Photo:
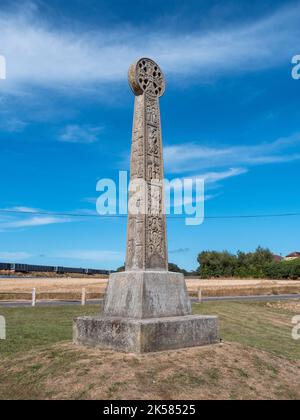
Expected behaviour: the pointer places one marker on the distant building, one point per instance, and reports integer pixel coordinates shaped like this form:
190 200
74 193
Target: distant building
292 256
277 257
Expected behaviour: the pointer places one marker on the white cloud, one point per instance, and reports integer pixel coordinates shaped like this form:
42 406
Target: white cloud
91 255
12 125
80 134
85 212
180 251
20 217
13 256
34 221
212 177
39 54
23 209
190 157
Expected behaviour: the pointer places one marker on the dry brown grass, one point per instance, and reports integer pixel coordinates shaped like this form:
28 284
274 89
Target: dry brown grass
239 287
69 288
52 288
232 371
293 307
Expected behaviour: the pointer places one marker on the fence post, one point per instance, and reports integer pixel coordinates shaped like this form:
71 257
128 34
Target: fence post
199 295
33 297
2 328
83 297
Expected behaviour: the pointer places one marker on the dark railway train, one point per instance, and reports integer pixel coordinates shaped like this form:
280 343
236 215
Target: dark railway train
26 268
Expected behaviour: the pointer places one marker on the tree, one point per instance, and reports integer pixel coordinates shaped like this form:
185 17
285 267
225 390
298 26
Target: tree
224 264
216 264
173 268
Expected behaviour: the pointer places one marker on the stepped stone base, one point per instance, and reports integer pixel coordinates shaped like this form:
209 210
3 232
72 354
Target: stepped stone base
144 312
146 335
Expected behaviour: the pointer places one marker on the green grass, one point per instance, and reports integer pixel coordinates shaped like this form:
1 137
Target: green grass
29 328
253 324
247 323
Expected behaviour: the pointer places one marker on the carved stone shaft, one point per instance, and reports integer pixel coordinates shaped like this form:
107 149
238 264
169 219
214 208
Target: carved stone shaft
146 236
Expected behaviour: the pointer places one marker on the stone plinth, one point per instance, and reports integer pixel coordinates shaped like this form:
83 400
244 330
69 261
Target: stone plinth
146 312
146 335
146 294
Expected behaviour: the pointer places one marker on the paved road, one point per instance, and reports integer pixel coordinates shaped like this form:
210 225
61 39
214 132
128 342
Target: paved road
194 300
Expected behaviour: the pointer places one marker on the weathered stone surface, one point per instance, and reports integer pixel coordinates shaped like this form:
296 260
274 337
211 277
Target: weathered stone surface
148 335
146 294
146 231
146 308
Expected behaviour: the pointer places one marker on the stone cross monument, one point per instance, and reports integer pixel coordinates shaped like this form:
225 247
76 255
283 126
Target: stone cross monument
147 243
146 308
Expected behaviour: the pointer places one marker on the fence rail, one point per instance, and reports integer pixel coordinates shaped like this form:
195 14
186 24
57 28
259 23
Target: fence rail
35 296
84 295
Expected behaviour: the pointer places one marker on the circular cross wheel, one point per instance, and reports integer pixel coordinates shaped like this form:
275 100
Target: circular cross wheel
145 76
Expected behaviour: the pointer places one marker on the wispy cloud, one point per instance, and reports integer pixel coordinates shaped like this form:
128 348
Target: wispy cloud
34 221
61 58
23 209
190 157
20 217
14 256
85 212
80 134
26 217
12 125
179 251
212 177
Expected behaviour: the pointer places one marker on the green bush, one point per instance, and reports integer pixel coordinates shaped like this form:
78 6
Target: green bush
216 264
283 270
258 264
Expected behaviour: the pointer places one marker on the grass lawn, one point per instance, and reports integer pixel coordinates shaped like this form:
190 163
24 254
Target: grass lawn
259 359
30 328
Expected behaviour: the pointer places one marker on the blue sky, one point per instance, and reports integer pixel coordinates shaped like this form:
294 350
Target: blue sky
230 114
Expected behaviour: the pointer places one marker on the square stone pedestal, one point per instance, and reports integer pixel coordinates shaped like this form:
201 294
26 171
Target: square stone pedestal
146 311
146 335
